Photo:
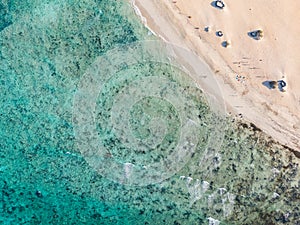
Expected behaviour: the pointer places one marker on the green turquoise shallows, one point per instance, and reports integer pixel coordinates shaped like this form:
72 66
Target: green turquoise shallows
101 124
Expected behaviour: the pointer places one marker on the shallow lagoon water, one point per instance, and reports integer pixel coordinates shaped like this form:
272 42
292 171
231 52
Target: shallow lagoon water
46 49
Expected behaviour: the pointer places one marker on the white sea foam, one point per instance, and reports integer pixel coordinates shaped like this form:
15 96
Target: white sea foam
139 14
128 169
189 179
222 190
205 186
275 195
212 221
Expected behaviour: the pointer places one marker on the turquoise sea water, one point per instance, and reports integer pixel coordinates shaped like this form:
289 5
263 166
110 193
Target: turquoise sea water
47 49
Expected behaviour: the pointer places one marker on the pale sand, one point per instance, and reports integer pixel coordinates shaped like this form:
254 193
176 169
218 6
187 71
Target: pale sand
277 55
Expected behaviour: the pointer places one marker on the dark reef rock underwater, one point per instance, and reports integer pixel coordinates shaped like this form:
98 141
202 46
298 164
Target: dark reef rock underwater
5 17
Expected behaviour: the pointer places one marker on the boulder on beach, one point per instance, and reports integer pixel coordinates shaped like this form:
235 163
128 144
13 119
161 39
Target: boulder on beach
219 4
256 34
225 44
281 85
219 33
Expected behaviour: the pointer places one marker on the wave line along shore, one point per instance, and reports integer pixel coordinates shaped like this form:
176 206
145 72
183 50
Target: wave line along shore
242 67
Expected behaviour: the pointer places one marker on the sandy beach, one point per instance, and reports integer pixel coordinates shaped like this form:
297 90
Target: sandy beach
242 66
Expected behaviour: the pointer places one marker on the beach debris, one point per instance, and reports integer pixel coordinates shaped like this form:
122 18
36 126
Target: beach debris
240 78
225 44
281 85
219 4
219 33
256 34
